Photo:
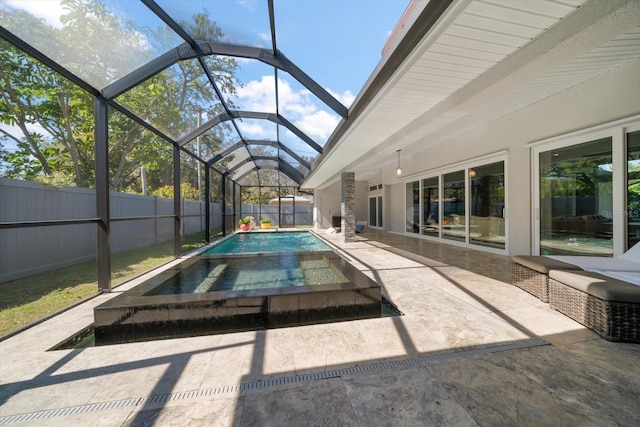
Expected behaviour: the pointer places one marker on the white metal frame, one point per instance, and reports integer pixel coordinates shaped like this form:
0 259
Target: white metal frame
617 131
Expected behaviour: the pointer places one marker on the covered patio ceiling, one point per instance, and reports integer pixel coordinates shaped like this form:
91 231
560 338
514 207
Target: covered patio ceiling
456 65
110 60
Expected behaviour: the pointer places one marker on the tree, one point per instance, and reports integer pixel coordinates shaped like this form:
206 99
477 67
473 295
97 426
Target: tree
34 97
51 120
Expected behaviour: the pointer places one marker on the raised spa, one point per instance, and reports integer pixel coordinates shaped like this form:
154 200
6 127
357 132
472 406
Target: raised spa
226 293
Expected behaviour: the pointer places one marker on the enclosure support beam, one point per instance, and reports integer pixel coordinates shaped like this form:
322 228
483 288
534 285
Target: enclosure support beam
101 135
207 205
177 248
241 114
224 205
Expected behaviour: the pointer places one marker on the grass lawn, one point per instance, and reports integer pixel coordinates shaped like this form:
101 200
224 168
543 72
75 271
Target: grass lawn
26 300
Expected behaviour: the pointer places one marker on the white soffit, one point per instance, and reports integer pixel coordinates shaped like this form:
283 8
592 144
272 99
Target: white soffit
471 38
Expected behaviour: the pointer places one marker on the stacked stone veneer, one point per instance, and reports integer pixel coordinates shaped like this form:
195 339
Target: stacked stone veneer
348 207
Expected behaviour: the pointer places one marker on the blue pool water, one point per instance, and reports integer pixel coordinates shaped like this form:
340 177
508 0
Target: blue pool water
240 273
252 243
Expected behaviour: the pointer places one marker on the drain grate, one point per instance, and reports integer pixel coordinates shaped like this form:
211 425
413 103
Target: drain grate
267 383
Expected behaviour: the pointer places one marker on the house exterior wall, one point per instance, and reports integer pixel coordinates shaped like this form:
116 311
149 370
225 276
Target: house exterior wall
395 208
326 205
362 201
608 97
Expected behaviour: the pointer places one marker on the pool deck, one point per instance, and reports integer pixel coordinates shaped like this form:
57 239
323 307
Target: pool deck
470 350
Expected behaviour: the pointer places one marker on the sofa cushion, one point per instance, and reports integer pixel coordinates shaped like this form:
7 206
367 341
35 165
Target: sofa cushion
543 264
600 286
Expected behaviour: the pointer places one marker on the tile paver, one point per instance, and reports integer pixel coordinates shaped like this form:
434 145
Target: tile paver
454 300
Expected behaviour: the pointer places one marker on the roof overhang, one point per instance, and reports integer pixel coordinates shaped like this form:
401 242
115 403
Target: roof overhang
475 61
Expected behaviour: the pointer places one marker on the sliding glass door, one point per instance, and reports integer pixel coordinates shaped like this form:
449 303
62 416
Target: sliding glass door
465 205
375 211
633 189
413 207
576 199
487 226
431 207
454 204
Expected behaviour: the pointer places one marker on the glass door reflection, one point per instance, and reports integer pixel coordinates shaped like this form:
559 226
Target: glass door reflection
487 227
431 207
576 201
633 189
454 213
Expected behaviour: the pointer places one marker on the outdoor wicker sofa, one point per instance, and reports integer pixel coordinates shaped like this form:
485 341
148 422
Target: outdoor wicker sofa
531 272
609 306
601 293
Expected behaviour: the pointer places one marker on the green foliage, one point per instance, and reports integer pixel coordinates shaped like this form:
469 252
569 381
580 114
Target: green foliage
633 200
245 220
265 221
52 136
574 178
187 192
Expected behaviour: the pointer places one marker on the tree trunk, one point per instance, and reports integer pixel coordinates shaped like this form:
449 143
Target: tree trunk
70 142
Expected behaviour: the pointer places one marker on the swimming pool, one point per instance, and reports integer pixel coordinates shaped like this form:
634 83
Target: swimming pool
266 242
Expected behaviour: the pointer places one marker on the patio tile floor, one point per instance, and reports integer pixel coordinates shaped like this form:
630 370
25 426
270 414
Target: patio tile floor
470 349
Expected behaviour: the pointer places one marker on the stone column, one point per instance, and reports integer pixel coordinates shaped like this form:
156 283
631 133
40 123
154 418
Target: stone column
348 207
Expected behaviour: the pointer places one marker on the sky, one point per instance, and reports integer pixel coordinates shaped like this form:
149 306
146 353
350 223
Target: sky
338 43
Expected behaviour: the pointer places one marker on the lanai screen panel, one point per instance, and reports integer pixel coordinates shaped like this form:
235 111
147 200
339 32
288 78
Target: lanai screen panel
293 162
306 111
266 164
298 146
254 88
257 129
112 45
231 16
266 177
211 143
242 170
215 142
99 42
172 100
238 158
263 150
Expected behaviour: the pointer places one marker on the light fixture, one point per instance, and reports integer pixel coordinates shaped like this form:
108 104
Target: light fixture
399 170
472 173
